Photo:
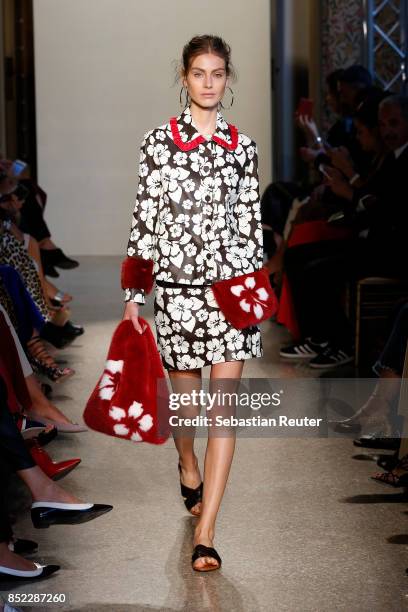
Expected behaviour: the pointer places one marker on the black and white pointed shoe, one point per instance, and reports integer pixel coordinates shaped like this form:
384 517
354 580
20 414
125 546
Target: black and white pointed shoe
44 514
41 571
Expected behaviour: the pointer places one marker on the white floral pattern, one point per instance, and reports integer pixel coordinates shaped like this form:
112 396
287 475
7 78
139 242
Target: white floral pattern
110 378
129 423
253 299
182 340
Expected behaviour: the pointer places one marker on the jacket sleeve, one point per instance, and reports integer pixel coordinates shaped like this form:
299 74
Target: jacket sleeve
137 268
248 209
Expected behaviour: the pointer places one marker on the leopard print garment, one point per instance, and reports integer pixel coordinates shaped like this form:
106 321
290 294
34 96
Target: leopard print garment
6 302
13 253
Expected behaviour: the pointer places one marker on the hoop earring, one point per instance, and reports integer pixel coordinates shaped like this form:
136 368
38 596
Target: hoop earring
187 97
232 100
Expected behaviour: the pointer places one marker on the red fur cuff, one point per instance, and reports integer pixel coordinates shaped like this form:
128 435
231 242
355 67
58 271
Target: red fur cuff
137 273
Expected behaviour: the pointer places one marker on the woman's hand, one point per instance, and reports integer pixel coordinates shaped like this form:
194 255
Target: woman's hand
308 126
131 313
337 183
308 154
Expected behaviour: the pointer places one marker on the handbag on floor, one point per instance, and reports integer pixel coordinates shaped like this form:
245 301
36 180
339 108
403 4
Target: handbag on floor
131 399
246 300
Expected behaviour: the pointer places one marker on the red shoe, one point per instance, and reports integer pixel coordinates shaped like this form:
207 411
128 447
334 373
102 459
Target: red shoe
54 470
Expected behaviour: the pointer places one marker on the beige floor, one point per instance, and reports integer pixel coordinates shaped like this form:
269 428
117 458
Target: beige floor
301 527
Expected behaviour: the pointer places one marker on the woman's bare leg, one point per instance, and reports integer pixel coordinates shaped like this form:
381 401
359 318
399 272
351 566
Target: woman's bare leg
49 289
34 250
218 459
41 404
43 488
47 243
11 560
185 381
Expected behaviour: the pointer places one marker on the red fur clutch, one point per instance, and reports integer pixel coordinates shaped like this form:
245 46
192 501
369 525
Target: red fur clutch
131 400
137 273
247 299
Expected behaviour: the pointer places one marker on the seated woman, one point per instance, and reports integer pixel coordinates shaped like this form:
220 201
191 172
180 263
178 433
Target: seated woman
33 223
11 204
29 323
33 401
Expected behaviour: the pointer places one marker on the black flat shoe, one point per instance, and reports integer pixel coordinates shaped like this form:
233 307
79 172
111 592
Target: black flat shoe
41 571
46 437
50 271
376 440
191 496
57 258
44 514
205 551
54 334
345 427
388 462
22 547
71 330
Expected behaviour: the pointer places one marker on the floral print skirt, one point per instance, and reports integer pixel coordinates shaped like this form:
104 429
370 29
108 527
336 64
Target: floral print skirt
192 332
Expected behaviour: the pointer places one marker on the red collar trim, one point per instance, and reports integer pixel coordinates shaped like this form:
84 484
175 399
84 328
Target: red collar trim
192 144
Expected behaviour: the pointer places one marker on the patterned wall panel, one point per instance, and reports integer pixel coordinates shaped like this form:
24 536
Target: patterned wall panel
342 38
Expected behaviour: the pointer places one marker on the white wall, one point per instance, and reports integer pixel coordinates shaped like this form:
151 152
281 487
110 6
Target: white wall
104 76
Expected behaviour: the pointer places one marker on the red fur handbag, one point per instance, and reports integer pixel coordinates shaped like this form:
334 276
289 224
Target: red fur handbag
247 299
131 399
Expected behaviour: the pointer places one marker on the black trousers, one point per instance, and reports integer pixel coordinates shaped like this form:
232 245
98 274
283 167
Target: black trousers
317 273
6 532
32 220
13 456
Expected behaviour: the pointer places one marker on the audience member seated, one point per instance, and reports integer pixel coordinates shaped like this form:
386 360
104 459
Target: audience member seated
317 272
32 219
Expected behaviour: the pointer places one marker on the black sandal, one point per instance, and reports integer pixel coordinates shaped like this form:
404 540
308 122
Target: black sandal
393 479
388 462
43 362
191 496
205 551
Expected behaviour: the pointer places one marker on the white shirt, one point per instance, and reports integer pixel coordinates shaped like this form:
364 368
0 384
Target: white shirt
399 151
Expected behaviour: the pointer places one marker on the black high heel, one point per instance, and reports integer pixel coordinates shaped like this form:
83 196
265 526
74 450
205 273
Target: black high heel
44 364
191 496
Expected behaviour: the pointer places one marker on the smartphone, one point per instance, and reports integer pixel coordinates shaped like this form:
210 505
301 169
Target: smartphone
305 107
18 167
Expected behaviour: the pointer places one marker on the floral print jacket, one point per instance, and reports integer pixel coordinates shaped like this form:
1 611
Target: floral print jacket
197 213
